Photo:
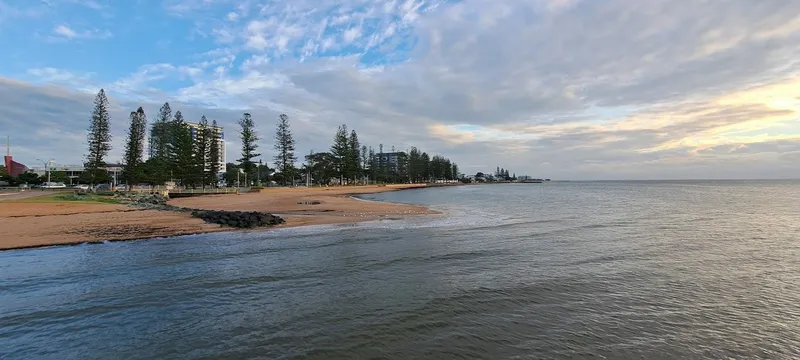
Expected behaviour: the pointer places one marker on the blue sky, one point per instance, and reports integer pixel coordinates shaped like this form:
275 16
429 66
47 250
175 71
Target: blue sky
573 89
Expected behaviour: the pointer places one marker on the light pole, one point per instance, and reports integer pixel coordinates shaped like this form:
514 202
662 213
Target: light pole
47 167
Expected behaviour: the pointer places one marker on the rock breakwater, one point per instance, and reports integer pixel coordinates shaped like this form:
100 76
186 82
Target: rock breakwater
238 219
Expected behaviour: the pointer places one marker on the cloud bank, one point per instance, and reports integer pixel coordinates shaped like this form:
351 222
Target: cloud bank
565 89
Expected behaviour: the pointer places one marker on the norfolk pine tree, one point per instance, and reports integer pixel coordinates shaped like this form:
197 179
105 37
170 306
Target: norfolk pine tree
183 149
249 138
99 139
201 151
364 158
284 145
339 150
214 153
160 133
134 148
373 166
158 165
353 156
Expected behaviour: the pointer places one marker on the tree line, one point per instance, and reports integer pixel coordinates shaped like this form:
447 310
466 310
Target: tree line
190 155
500 174
350 162
178 151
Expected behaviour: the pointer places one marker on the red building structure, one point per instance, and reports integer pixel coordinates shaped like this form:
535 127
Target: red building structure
14 168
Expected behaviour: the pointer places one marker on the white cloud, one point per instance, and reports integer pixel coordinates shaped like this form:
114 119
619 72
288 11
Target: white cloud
64 31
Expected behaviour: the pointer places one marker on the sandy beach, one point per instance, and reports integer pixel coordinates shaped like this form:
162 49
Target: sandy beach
29 224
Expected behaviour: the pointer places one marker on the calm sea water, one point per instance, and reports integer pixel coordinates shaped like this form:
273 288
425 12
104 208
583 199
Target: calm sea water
618 270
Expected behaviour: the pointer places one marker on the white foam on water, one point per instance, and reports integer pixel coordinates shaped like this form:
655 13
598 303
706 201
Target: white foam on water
305 230
451 218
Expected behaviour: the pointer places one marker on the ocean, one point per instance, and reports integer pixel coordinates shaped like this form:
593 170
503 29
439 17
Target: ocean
560 270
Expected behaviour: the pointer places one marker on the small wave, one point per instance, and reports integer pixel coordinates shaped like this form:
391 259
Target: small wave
599 260
458 256
504 225
306 230
253 280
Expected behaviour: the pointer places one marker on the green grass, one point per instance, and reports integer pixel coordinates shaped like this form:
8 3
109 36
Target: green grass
68 197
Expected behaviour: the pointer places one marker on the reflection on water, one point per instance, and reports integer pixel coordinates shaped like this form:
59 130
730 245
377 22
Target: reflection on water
560 270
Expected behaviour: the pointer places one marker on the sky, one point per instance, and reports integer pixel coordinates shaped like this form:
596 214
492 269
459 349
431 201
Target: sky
561 89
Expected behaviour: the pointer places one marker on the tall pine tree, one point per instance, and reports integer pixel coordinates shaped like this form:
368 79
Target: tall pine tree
339 150
157 167
249 138
160 134
201 151
214 153
373 165
284 146
183 150
425 167
354 156
134 148
364 159
99 140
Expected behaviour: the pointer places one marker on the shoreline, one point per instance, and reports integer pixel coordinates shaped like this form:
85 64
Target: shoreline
30 225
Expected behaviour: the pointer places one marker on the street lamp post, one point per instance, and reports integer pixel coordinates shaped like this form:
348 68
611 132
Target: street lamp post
47 167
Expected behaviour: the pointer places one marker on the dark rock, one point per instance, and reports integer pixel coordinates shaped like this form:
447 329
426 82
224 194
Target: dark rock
239 219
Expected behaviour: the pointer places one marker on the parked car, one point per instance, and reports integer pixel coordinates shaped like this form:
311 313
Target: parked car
53 185
102 187
83 187
122 187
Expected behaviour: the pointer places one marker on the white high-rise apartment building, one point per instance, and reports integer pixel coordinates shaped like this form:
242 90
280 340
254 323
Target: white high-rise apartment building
194 127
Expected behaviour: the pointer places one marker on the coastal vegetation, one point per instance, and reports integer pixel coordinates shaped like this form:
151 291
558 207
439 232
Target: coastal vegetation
284 148
134 147
99 140
186 155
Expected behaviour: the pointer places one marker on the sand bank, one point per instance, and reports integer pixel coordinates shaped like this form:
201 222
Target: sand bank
30 224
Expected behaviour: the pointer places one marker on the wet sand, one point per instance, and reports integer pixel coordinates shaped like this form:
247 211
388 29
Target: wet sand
26 225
